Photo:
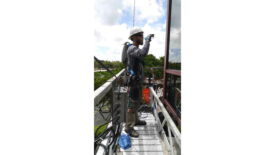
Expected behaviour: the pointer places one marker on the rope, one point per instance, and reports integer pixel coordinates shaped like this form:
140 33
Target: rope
134 10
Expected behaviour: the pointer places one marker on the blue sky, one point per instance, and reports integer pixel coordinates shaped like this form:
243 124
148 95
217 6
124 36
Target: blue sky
114 19
127 17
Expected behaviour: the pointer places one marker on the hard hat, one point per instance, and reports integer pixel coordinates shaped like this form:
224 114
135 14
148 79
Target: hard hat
135 31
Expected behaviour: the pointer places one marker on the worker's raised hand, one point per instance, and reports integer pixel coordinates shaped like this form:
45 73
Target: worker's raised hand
149 37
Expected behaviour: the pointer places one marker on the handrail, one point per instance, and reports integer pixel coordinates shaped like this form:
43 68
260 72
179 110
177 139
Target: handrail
105 88
100 93
171 125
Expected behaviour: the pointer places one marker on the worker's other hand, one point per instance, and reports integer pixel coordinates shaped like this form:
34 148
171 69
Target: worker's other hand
149 37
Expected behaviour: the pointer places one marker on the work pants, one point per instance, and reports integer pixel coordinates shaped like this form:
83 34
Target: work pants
135 97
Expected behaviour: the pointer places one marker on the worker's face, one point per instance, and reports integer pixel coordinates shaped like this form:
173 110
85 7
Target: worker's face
139 39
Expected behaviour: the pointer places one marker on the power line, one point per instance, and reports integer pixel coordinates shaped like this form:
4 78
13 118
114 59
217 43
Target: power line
134 10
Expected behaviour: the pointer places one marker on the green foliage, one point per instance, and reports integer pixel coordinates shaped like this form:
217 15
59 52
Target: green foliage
109 64
151 61
101 130
159 74
161 59
101 77
175 65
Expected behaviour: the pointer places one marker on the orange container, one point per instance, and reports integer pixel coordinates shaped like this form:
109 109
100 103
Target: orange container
146 95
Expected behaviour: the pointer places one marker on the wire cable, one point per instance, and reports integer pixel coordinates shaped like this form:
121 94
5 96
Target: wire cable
134 10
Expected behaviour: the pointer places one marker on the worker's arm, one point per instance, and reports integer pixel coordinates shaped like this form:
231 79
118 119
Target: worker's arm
141 52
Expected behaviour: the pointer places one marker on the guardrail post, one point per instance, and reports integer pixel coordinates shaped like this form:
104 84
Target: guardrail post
151 99
172 128
171 141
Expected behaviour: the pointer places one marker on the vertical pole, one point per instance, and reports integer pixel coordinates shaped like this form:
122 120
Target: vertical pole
134 10
151 97
171 141
167 40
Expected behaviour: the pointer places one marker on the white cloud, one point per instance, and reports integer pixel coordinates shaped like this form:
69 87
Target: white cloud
112 38
158 42
149 10
108 12
110 34
175 32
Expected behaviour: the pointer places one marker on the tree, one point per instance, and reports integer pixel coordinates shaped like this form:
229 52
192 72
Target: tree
151 61
161 59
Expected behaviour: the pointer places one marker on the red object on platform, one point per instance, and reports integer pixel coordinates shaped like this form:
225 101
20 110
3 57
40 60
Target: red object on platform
146 95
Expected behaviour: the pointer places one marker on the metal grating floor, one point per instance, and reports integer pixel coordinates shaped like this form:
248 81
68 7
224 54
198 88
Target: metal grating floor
148 142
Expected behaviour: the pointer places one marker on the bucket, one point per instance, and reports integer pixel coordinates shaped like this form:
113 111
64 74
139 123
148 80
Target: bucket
146 95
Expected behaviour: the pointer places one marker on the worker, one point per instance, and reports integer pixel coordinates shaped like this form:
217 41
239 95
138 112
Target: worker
135 67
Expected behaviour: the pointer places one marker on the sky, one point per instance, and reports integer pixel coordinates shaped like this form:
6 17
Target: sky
114 20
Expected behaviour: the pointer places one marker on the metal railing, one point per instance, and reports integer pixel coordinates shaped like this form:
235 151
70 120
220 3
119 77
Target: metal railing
105 88
100 94
171 140
172 128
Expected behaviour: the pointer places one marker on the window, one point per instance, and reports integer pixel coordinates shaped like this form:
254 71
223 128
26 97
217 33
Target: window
173 93
175 36
172 78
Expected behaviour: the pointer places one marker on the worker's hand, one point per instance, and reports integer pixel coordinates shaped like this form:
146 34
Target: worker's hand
149 37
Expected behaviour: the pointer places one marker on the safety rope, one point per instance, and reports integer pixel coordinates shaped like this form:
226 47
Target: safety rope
134 10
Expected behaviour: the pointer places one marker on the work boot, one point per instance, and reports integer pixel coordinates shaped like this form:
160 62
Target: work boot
132 132
140 122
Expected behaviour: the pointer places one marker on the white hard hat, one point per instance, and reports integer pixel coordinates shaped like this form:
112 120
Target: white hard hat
135 31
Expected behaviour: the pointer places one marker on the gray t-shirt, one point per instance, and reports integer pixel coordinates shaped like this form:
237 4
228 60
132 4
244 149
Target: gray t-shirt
136 59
